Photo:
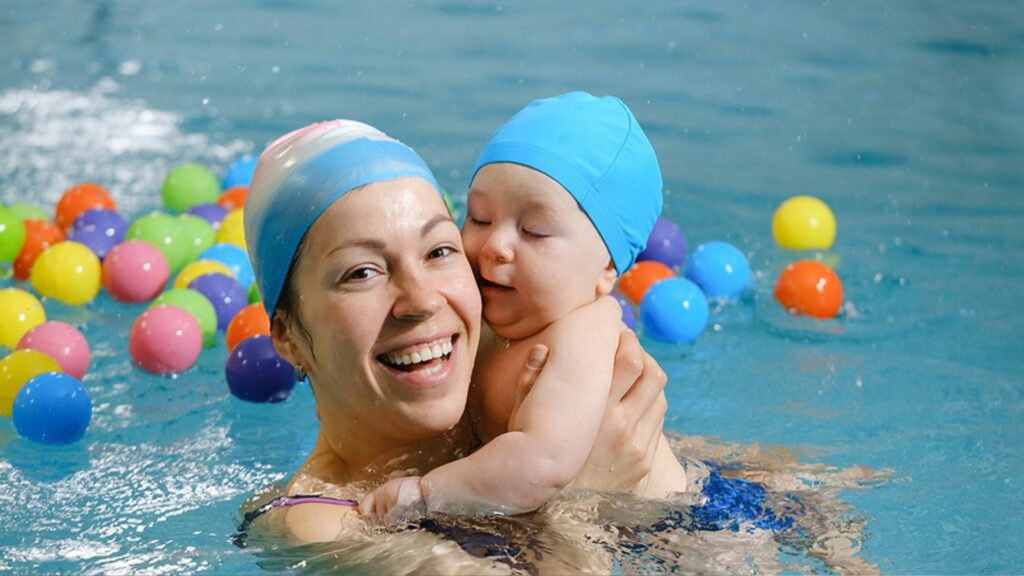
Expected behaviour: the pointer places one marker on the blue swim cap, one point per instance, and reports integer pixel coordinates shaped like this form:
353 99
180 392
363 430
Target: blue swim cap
300 175
597 151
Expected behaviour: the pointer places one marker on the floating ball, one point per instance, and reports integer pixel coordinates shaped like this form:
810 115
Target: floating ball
666 244
641 276
20 312
225 293
804 223
249 321
196 269
810 287
235 258
187 185
198 306
12 235
52 408
256 373
99 229
39 235
26 211
720 269
628 315
674 310
67 272
212 213
233 197
239 172
62 342
164 340
254 294
78 199
19 367
197 234
232 230
165 232
135 271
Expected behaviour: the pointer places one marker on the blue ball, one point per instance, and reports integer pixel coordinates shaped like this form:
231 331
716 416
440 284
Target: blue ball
666 244
239 172
628 316
674 310
235 258
256 373
212 213
225 293
720 269
52 408
99 229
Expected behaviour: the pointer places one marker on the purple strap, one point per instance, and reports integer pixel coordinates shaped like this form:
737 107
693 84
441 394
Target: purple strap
285 501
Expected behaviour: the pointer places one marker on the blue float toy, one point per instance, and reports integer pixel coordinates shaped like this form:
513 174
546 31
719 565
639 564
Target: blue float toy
256 373
239 172
720 269
665 244
674 310
235 258
52 408
225 293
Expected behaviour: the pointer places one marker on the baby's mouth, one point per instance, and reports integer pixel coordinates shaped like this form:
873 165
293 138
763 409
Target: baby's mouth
421 357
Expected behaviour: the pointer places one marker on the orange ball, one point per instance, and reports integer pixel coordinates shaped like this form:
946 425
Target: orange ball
78 199
39 235
233 198
810 287
249 321
644 274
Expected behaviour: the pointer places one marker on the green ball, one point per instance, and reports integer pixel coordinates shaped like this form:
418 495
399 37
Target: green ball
193 302
187 185
166 233
197 234
26 211
254 294
12 235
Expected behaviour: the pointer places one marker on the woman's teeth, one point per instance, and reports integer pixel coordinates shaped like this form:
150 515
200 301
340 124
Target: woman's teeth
424 354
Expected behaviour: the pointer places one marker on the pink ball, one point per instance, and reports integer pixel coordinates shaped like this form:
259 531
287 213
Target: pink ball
62 342
165 339
135 271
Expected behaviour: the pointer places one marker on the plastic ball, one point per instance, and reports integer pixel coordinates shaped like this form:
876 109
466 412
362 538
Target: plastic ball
26 211
19 367
197 234
235 258
196 269
62 342
254 294
641 276
67 272
666 244
52 408
135 271
99 229
239 172
12 235
720 269
212 213
225 293
39 235
674 310
78 199
249 321
810 287
187 185
165 232
20 312
256 373
232 229
233 197
164 340
628 315
804 223
198 306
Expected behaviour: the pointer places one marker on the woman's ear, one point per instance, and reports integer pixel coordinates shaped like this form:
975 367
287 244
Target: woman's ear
606 281
284 344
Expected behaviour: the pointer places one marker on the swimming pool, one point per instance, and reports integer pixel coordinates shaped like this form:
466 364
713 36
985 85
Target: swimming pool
907 118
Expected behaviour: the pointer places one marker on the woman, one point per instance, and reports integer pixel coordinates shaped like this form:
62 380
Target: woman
361 270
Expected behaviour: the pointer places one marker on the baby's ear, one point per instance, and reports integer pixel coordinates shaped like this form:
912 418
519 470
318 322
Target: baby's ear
606 281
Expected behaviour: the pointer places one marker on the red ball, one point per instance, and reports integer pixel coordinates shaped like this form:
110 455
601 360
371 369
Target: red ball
641 276
78 199
810 287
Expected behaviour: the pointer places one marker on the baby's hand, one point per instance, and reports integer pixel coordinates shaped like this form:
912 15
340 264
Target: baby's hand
394 494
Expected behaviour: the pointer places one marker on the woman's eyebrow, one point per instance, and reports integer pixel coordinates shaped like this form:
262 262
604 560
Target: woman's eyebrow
433 223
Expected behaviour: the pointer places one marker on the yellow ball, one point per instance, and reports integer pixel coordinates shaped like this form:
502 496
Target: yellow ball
68 272
804 223
20 367
232 230
20 312
196 269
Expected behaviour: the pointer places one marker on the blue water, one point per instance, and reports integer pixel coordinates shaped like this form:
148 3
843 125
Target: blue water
906 117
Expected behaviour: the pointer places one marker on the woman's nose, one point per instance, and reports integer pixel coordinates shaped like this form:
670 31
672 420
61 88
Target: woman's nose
498 246
417 298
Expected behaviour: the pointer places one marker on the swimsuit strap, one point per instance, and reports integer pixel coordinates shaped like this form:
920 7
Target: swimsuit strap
284 502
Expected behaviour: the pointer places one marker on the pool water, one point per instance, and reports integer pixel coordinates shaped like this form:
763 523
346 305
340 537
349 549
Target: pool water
906 118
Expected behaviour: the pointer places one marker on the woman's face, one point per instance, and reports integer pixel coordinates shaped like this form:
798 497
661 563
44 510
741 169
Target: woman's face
391 315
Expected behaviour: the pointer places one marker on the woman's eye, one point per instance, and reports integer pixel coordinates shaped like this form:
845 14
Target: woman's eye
363 273
442 252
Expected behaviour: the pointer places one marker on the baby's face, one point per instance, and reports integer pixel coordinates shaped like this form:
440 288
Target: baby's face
535 254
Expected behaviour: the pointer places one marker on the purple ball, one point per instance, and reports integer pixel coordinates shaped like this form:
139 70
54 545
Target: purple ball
99 229
225 293
628 315
666 244
256 373
212 213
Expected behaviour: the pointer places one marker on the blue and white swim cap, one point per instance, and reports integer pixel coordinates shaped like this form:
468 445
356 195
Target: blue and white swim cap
300 175
597 151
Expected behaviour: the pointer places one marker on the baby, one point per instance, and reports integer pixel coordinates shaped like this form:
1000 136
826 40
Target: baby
561 201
